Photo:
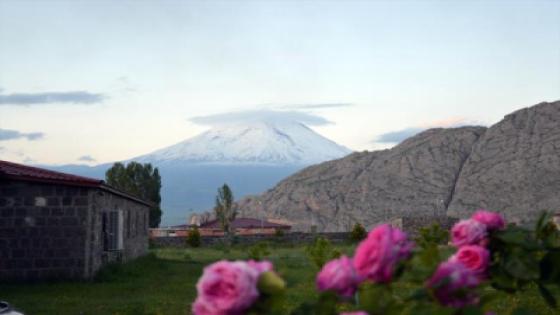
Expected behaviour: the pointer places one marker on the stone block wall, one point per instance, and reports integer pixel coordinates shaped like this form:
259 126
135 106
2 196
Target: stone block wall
135 230
42 231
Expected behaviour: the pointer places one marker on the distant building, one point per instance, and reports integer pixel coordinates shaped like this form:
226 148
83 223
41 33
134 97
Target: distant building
61 226
171 231
243 226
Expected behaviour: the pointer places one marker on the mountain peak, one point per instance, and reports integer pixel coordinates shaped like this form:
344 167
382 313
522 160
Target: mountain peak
255 142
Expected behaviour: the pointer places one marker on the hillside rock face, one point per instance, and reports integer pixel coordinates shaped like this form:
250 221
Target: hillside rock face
512 167
415 178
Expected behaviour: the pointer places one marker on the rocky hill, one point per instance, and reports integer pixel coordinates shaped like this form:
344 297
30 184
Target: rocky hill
515 167
512 167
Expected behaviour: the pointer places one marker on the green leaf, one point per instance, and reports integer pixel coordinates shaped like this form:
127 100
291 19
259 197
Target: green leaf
501 280
522 265
375 298
547 296
522 311
518 236
327 304
550 267
472 310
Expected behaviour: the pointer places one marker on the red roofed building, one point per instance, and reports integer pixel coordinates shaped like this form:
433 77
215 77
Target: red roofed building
61 226
243 226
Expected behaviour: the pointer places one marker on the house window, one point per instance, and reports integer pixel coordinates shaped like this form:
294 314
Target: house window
113 230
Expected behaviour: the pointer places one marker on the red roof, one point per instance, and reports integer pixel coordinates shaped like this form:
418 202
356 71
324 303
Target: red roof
10 170
23 172
245 223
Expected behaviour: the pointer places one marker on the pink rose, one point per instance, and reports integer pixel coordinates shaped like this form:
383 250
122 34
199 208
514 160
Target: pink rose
492 220
451 284
377 256
260 266
474 257
354 313
226 288
338 275
468 232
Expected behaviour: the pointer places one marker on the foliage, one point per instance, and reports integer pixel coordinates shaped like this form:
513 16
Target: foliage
491 261
193 237
320 251
432 235
358 233
141 180
258 251
224 211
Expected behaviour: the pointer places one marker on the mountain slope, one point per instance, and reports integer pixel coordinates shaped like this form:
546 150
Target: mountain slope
513 167
414 178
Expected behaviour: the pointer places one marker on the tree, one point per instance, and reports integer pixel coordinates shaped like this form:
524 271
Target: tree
358 233
193 237
141 180
225 213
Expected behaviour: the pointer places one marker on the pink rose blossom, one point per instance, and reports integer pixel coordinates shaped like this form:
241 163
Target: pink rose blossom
474 257
338 275
492 220
452 282
226 288
377 256
260 266
354 313
468 232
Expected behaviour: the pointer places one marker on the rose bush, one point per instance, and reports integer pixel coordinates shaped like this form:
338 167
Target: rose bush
487 255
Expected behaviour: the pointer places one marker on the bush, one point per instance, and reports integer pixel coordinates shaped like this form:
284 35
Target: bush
279 233
193 237
432 235
358 233
321 251
258 251
489 261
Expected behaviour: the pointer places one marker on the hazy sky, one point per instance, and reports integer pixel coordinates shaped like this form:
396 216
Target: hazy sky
98 81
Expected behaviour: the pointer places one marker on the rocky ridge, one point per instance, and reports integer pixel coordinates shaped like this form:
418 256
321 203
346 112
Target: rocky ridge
512 167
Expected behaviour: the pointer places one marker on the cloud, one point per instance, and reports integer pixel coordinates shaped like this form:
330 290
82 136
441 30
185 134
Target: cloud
250 116
398 136
317 106
403 134
73 97
7 134
86 158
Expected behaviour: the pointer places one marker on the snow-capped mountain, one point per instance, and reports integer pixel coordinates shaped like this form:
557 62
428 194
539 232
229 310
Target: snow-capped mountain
262 143
250 156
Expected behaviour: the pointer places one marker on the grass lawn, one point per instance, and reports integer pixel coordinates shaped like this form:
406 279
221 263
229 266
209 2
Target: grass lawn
164 283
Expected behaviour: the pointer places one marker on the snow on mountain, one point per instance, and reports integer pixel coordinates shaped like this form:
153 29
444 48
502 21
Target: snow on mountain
255 143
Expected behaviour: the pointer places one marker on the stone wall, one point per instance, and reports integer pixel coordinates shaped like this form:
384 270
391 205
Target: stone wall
288 238
42 231
55 232
135 230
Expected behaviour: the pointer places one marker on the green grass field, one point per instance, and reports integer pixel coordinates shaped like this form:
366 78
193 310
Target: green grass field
164 283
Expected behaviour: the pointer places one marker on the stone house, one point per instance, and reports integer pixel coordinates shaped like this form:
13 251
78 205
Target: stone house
61 226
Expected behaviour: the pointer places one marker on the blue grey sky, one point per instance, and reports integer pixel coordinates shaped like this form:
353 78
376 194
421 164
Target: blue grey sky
114 79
